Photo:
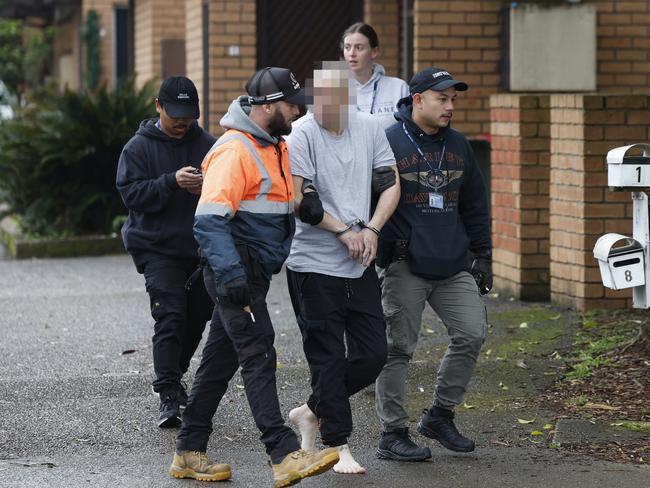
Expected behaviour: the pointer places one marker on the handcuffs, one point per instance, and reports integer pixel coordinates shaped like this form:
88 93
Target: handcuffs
361 224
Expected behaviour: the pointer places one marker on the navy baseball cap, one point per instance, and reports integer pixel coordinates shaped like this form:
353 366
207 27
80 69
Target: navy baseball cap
434 79
273 84
179 97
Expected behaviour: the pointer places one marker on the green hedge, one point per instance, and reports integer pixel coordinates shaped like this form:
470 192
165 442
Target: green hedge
58 159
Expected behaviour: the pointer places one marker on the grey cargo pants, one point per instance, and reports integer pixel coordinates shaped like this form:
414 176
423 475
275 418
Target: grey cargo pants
457 302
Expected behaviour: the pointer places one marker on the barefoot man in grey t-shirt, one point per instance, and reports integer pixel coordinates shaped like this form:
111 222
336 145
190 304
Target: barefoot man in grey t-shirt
333 285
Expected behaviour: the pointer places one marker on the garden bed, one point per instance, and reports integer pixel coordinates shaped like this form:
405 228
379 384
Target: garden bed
21 247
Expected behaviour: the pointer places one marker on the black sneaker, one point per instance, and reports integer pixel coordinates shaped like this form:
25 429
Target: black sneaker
397 445
182 395
170 411
438 424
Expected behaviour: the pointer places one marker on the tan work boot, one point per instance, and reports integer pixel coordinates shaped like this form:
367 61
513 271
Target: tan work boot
300 464
197 465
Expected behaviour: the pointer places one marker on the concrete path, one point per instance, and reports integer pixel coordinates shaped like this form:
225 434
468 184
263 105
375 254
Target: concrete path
75 369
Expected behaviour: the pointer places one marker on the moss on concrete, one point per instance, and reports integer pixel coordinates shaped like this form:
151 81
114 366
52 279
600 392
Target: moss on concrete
518 358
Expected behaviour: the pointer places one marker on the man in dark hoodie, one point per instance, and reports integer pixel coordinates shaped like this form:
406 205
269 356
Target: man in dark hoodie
244 224
160 182
423 252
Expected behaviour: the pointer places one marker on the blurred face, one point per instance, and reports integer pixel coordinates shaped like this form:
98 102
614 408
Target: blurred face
432 110
331 97
357 52
173 127
283 113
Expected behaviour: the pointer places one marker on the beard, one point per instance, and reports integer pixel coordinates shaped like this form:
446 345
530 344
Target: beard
279 126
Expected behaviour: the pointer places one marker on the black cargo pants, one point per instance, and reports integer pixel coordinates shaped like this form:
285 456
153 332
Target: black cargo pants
335 314
180 308
236 340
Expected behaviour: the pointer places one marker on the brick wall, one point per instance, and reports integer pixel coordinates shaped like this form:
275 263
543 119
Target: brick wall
383 16
583 129
463 36
194 48
623 46
155 20
232 23
143 46
519 192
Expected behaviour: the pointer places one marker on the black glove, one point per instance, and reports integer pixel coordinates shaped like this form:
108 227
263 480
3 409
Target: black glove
482 271
311 208
235 292
382 179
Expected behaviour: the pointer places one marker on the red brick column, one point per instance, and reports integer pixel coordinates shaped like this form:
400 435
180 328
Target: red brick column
583 129
519 188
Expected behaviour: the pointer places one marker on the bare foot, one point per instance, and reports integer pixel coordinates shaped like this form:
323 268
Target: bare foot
347 464
307 423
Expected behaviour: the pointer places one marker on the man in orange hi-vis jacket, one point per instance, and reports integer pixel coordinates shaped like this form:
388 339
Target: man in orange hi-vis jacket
244 224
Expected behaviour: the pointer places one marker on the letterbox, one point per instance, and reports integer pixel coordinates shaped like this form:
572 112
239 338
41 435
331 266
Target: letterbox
625 171
623 266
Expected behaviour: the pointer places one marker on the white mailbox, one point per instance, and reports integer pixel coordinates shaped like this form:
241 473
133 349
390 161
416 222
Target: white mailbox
620 267
628 171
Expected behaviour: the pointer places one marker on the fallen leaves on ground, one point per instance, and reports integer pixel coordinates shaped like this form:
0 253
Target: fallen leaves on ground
615 391
628 452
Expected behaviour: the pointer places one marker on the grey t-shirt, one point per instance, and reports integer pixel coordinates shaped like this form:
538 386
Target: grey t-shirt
341 169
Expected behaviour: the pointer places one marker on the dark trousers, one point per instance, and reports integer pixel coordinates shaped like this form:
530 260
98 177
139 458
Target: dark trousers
235 340
180 308
333 313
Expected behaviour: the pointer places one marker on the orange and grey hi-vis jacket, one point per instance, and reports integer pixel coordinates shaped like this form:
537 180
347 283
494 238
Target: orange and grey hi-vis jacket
246 199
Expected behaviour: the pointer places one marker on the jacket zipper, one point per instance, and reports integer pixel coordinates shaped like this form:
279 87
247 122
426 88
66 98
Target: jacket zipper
286 185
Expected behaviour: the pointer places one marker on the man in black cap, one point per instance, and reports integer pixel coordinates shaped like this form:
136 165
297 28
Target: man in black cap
244 224
160 182
422 258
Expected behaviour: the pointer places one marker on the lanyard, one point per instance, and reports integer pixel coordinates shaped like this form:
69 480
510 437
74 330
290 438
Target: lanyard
435 171
374 95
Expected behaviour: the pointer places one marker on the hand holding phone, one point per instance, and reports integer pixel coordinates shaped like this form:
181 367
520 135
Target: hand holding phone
190 179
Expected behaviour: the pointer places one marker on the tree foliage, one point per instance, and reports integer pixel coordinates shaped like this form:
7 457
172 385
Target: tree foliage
93 53
58 158
24 56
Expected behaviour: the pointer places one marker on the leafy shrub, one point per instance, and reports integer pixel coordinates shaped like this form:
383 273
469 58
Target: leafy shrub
58 158
24 56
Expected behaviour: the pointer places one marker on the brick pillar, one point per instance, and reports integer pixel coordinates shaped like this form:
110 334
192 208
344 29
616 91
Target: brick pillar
583 129
519 189
383 16
232 25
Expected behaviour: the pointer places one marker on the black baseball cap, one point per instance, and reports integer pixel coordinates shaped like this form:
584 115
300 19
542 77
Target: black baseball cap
274 84
434 79
179 97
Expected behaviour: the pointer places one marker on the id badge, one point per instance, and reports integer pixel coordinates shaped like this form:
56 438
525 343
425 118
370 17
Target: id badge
436 200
